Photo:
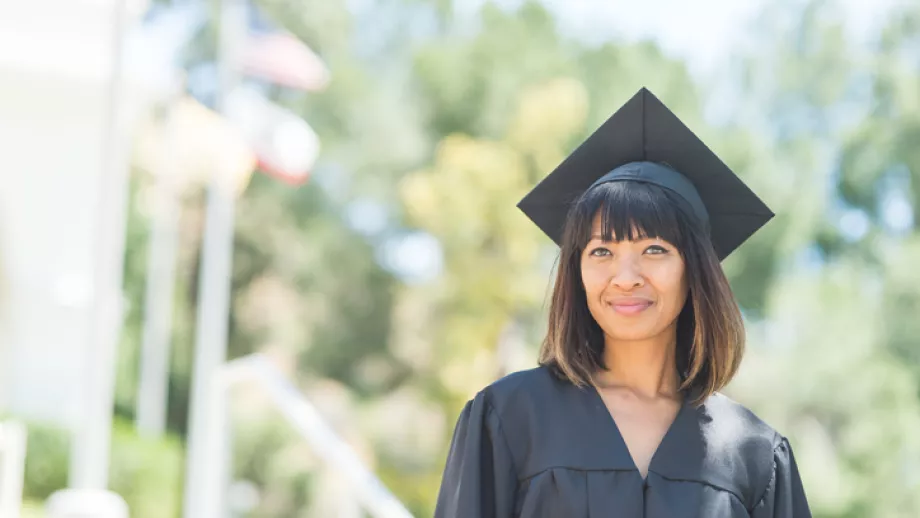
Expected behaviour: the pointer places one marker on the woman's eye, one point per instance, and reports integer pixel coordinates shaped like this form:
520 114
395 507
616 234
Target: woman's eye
656 250
600 252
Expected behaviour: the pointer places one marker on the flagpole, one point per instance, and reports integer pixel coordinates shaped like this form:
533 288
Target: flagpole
204 492
153 382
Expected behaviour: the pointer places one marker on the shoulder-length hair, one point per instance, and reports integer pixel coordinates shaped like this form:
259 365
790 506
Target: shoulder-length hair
710 330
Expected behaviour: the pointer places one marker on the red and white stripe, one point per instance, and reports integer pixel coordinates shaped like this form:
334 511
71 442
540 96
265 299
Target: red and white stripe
284 60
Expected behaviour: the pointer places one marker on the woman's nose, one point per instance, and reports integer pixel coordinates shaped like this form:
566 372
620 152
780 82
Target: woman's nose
627 274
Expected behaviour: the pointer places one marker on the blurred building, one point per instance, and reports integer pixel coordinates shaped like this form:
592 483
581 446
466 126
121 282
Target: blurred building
55 63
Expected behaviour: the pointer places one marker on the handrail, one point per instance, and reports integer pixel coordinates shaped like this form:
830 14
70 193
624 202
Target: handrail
368 490
12 467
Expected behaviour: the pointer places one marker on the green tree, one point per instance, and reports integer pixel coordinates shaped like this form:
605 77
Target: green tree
839 311
443 123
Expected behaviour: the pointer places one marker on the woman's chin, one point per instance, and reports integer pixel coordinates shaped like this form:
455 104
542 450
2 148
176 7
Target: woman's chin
624 333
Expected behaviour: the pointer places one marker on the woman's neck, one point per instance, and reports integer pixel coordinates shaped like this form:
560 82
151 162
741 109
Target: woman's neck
648 368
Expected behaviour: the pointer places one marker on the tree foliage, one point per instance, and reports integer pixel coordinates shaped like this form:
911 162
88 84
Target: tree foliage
442 123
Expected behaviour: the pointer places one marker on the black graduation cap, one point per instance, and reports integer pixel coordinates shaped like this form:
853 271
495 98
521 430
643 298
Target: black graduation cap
645 141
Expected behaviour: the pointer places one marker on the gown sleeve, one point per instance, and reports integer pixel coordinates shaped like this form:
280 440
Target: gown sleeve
479 479
785 496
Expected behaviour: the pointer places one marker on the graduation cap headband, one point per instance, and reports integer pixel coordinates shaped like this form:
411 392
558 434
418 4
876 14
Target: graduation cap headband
662 176
632 145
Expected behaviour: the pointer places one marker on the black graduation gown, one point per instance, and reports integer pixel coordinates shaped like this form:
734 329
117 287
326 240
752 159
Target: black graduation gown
533 446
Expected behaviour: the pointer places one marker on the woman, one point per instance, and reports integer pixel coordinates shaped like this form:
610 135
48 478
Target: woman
623 417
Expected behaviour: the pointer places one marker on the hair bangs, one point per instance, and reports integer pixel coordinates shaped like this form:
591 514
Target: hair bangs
630 211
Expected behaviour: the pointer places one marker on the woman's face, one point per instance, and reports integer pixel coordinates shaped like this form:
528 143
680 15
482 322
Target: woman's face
635 289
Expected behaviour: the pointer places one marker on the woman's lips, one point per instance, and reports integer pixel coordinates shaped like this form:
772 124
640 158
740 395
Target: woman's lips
630 306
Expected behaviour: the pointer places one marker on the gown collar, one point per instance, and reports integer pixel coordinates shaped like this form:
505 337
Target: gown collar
686 452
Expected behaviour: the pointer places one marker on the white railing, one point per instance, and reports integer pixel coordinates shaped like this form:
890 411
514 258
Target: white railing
12 467
352 486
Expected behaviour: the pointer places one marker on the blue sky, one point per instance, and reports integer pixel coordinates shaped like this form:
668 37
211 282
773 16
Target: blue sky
702 31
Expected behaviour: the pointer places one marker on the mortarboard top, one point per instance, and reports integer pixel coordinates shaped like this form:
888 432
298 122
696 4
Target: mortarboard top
632 145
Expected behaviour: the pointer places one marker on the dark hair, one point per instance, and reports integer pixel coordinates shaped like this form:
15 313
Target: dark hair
710 331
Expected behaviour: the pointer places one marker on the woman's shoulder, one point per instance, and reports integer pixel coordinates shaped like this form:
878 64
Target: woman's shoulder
736 448
530 384
526 394
736 423
736 438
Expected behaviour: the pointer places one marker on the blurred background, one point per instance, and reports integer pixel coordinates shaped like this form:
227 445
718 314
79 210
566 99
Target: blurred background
331 185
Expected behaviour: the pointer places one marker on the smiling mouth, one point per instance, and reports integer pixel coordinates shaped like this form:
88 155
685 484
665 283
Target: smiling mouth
630 308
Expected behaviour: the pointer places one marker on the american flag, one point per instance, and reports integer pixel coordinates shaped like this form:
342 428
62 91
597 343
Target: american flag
284 60
286 146
277 56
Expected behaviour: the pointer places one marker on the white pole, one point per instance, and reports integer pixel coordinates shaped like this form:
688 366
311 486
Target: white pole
89 467
12 467
153 381
204 454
